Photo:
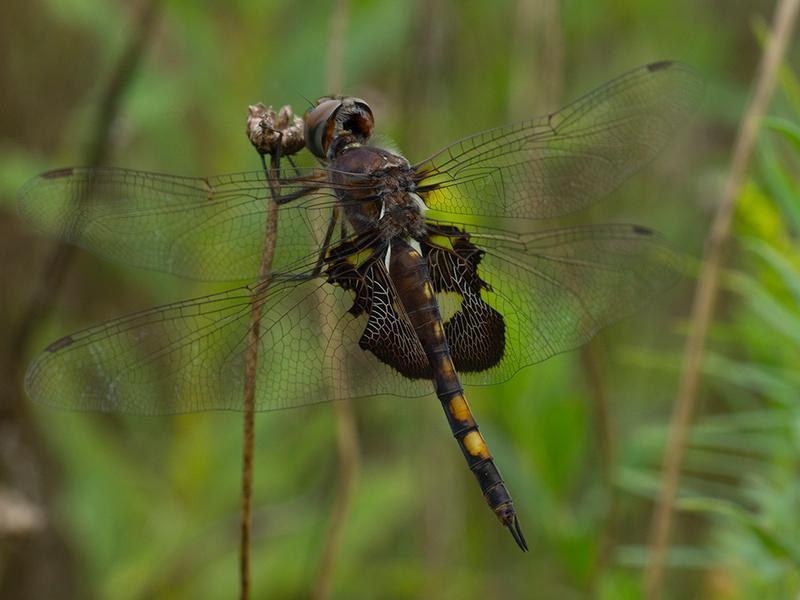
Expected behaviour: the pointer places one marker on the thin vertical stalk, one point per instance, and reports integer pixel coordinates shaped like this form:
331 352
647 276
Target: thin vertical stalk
425 67
536 82
26 462
336 39
706 291
536 85
346 431
251 371
57 264
347 438
606 453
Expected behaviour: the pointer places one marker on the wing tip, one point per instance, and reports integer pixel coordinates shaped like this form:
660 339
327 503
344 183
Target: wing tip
60 344
31 193
679 69
660 65
58 173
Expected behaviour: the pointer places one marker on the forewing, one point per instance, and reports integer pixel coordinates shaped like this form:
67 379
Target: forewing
556 164
556 289
206 228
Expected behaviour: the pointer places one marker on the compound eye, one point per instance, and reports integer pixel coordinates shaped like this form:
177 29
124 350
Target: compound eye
320 123
360 120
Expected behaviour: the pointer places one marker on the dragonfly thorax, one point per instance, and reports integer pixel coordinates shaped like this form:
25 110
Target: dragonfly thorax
402 215
376 189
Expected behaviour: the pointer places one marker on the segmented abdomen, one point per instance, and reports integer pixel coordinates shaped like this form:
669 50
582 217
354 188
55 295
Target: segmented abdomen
409 275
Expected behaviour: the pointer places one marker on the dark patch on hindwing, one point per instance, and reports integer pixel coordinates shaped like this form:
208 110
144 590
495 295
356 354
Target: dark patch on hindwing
476 332
388 335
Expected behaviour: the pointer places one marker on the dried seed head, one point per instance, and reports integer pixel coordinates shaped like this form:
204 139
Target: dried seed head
267 129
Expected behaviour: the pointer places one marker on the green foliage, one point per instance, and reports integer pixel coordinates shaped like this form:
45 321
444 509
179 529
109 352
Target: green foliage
756 522
149 507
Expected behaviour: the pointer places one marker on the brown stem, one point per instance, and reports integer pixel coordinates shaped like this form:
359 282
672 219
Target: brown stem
336 46
537 59
250 375
438 520
347 437
58 262
605 440
536 85
26 462
705 294
347 434
606 454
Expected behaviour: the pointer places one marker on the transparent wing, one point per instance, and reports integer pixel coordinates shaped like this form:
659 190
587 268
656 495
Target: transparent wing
206 228
556 164
190 356
556 289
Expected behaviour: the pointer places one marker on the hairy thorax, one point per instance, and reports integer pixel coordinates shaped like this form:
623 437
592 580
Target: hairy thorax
380 192
402 216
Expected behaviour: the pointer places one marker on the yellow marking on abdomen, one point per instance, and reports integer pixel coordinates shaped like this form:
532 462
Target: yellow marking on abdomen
447 369
458 407
475 445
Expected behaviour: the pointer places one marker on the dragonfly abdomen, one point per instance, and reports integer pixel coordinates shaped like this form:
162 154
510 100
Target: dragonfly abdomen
479 459
409 274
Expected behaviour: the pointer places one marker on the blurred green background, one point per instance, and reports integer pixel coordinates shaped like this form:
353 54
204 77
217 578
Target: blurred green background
98 506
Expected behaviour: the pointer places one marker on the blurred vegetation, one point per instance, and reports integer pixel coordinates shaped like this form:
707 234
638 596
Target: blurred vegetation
147 508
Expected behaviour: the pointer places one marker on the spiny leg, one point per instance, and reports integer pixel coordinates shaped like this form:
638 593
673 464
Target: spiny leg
294 166
343 230
327 242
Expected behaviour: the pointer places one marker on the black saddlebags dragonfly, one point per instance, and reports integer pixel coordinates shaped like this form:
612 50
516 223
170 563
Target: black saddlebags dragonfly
376 286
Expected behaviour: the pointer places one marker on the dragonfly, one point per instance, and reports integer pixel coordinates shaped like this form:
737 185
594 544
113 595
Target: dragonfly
381 281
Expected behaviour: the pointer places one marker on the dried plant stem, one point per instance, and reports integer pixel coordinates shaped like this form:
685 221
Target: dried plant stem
52 276
338 28
536 85
346 431
26 461
536 81
438 520
606 453
251 370
347 437
706 291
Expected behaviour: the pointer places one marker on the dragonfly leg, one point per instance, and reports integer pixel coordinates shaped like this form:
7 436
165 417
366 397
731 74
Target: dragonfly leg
294 166
326 244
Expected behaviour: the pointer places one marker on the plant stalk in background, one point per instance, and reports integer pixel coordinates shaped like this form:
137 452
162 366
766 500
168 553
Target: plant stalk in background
277 135
706 291
346 430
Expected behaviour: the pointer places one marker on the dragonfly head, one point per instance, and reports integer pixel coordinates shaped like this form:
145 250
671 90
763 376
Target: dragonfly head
337 119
